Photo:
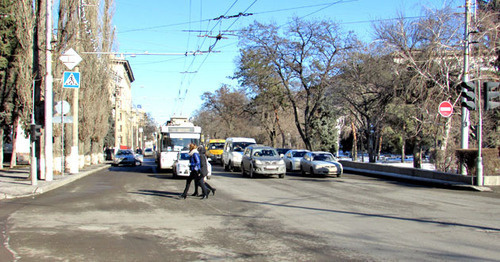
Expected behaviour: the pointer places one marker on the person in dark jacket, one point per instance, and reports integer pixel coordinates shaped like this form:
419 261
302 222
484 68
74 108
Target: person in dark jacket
204 172
195 169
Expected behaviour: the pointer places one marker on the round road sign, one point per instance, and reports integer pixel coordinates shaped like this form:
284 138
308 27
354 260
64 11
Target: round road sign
445 109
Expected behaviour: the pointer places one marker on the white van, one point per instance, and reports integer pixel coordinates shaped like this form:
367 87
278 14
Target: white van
233 152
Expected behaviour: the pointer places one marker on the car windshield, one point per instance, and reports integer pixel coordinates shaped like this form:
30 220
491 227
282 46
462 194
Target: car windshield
124 152
239 146
264 152
214 146
184 156
148 150
177 144
323 157
298 153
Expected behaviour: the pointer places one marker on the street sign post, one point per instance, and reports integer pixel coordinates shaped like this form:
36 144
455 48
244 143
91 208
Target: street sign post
445 109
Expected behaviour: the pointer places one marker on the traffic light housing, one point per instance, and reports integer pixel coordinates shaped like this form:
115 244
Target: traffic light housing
473 132
489 95
36 132
468 91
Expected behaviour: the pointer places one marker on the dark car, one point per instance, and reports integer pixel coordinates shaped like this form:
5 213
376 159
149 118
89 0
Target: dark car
282 151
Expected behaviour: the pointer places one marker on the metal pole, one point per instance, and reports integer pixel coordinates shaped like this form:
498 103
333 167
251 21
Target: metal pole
465 112
74 163
479 160
48 96
33 173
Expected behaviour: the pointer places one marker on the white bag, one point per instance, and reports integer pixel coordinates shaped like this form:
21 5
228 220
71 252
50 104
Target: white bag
209 168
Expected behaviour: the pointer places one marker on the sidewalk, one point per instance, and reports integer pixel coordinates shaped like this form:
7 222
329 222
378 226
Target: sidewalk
16 183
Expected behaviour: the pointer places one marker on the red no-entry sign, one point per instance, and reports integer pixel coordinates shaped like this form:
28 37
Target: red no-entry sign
445 109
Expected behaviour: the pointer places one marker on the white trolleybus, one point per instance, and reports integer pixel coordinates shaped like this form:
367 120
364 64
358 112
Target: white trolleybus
174 137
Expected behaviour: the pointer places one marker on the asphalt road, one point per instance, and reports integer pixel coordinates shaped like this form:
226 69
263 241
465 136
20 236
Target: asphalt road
134 214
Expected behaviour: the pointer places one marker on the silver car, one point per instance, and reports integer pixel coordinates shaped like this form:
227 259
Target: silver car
320 163
263 160
126 157
292 159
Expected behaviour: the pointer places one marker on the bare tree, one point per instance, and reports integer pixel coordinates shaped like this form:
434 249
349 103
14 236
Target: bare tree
428 49
304 58
367 87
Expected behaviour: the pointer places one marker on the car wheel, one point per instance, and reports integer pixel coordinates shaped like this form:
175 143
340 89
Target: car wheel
282 175
302 171
226 167
250 172
242 170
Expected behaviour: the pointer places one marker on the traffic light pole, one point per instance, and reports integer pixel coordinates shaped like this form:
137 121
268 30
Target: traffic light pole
479 159
465 112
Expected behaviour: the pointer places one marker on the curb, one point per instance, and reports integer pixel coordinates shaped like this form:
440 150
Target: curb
421 180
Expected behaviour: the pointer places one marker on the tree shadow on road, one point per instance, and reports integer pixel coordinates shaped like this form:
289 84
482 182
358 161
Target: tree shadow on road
420 220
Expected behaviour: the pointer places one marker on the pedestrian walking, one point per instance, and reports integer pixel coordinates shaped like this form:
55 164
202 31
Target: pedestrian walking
204 172
195 168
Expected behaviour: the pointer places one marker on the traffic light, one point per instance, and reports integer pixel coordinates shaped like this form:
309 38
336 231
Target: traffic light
489 95
469 93
35 132
473 132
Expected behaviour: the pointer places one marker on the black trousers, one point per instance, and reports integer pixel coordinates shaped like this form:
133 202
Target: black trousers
195 175
207 185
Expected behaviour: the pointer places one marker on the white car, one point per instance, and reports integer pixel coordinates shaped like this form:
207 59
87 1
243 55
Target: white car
181 164
320 163
148 152
233 152
292 159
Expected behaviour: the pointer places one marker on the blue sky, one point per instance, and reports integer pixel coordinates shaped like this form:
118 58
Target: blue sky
167 85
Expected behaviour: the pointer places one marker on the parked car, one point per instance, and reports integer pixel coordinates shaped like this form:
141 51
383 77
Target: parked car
148 152
320 163
292 159
181 164
282 151
233 152
127 157
263 160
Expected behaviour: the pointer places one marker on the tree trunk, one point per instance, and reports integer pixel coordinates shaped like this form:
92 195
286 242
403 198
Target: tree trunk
403 142
1 148
379 147
417 155
354 151
13 159
283 137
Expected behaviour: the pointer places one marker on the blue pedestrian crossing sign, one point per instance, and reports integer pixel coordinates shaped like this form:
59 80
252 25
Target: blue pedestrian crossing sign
71 80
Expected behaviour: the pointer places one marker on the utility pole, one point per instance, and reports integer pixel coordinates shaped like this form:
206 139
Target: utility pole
465 112
479 159
48 96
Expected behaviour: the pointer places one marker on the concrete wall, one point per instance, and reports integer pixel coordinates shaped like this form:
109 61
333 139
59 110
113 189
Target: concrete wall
415 173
